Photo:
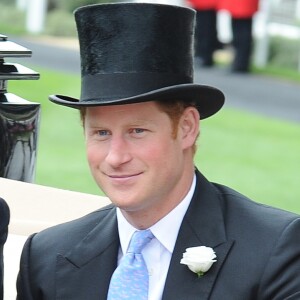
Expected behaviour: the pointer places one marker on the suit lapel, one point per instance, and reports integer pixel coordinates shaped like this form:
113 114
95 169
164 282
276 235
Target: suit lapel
91 263
85 271
203 225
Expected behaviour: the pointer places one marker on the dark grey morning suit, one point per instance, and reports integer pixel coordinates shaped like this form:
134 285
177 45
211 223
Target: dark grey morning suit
257 248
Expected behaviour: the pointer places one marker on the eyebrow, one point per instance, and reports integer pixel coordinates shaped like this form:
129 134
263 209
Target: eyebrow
131 123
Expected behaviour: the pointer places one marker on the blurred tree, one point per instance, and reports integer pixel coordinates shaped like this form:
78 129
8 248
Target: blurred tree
8 2
60 23
71 5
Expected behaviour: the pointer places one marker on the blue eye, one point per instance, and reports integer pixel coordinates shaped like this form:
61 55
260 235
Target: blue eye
139 130
103 132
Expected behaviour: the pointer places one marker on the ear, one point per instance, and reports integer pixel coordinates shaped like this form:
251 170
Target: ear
189 127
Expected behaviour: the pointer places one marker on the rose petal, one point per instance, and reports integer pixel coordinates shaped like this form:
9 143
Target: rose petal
199 259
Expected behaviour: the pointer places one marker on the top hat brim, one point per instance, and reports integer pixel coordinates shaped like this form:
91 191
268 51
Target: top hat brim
208 100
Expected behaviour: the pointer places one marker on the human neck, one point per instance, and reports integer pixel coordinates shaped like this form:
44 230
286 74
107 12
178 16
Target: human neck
144 219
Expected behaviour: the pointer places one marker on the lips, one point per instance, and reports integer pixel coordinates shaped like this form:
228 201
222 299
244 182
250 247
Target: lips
122 177
125 176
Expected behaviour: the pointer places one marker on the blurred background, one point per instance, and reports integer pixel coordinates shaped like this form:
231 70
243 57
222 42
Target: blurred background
276 25
252 145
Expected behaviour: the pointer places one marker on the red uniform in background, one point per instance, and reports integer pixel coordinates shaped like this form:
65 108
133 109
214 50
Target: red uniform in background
206 40
241 12
203 4
238 8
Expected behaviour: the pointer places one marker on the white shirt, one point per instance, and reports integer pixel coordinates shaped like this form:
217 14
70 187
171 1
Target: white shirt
157 254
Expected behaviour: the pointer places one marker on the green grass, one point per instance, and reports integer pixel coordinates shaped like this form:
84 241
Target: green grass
12 21
278 72
258 156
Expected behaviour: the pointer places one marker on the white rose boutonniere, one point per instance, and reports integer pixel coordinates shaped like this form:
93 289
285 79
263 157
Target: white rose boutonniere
199 259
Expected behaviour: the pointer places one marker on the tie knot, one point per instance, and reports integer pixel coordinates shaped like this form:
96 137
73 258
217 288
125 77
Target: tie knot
139 240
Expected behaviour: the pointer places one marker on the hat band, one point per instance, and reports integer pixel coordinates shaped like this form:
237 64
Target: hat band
125 85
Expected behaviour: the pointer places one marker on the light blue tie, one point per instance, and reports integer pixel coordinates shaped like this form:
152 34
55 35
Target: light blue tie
131 280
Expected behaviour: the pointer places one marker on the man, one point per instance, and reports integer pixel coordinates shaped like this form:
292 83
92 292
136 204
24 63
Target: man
242 15
206 33
140 111
4 220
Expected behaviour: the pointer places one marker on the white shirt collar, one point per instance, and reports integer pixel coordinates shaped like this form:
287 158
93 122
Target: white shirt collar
161 230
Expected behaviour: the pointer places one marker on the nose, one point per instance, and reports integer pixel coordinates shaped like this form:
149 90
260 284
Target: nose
118 152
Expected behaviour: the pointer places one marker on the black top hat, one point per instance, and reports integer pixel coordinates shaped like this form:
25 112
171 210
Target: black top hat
136 52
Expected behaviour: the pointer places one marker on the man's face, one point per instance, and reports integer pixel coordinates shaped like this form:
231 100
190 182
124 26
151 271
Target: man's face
134 158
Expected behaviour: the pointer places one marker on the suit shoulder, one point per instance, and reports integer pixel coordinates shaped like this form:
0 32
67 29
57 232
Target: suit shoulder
4 213
69 232
251 212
